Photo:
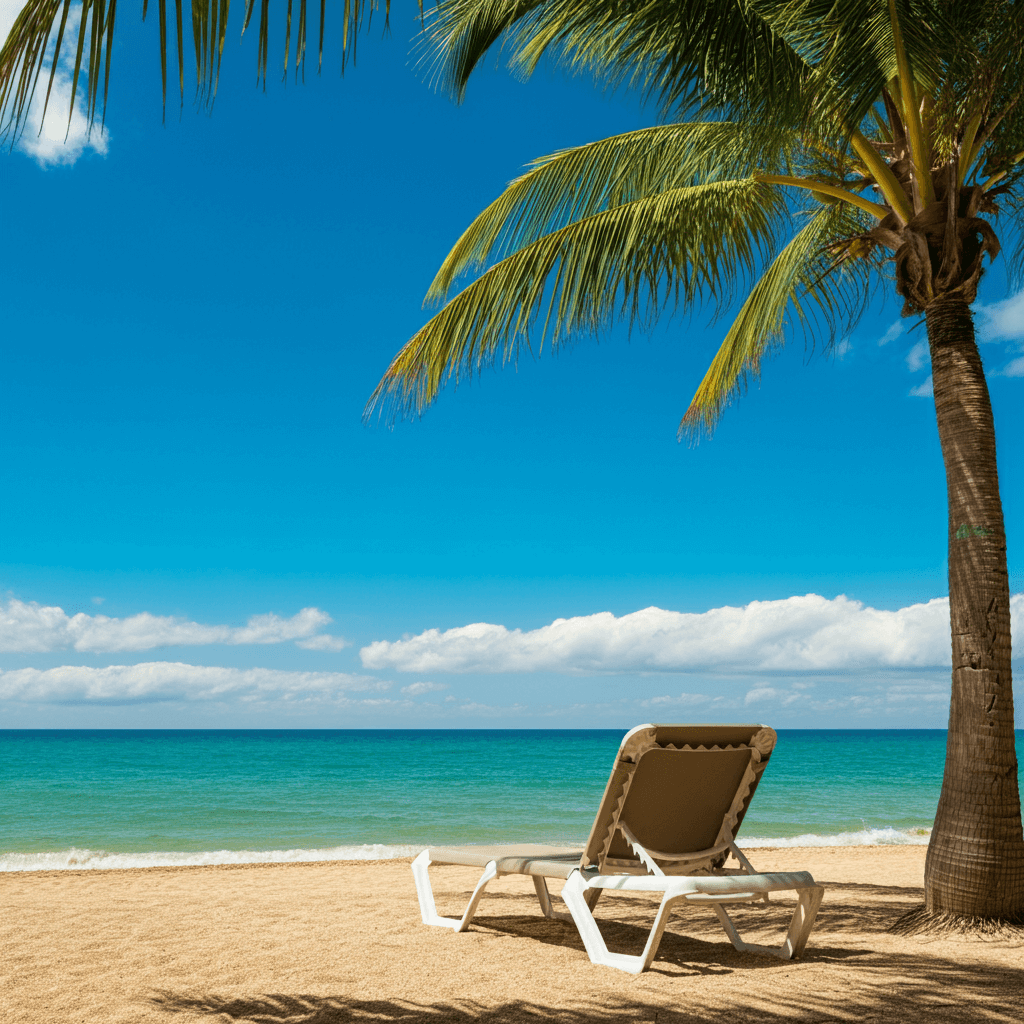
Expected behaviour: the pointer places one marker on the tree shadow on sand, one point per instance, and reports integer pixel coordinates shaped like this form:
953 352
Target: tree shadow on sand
918 982
935 990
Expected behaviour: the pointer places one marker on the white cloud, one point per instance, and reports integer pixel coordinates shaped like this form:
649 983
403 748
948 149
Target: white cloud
9 11
414 689
891 334
1003 320
907 693
918 356
58 140
493 711
27 626
909 698
925 390
173 681
323 642
1015 368
682 700
932 693
798 634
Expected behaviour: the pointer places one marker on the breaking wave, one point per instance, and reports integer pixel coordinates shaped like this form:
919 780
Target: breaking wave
864 837
98 860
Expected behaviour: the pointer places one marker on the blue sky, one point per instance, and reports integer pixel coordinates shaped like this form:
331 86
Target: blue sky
196 314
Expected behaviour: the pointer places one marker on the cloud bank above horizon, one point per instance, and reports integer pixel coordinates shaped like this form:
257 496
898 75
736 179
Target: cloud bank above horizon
31 627
263 690
795 635
801 656
175 681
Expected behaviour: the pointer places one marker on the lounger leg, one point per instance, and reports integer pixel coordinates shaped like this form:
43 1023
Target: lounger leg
808 901
802 922
545 900
425 894
730 929
575 895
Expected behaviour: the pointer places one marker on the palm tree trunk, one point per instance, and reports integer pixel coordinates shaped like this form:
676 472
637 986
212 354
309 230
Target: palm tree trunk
975 864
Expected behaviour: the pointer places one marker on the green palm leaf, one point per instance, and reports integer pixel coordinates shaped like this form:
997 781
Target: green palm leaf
460 34
579 182
805 284
675 248
664 47
39 31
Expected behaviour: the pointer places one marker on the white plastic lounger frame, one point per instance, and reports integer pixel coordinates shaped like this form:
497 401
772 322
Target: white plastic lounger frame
696 889
684 874
583 888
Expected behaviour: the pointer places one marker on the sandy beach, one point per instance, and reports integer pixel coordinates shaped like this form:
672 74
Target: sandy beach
342 941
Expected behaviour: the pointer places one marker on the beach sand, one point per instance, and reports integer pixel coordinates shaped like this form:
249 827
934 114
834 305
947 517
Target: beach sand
339 942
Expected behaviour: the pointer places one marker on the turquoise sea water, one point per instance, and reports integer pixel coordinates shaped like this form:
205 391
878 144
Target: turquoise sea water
131 798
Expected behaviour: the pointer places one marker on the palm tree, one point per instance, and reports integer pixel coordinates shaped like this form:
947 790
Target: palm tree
806 149
809 147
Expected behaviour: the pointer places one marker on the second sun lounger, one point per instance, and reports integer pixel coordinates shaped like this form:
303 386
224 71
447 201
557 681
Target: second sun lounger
667 823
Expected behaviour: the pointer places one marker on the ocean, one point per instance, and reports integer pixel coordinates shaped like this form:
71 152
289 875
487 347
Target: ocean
135 798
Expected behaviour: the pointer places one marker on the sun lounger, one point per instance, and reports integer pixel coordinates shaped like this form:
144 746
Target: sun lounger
666 824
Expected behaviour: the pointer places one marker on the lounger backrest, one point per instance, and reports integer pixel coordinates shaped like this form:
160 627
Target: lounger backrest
678 790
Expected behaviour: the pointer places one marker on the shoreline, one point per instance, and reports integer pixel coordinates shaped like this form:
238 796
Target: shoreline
369 862
85 859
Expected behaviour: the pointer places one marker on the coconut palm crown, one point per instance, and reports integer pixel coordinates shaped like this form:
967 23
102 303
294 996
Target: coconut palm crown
808 150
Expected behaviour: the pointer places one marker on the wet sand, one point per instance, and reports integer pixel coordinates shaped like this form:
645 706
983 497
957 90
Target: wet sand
340 942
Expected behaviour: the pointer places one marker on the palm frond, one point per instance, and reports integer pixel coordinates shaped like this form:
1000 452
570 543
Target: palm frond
461 33
37 40
855 48
790 61
576 183
674 50
853 81
808 283
23 53
632 261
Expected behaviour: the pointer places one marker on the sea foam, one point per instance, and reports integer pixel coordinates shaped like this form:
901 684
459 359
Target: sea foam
98 860
864 837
